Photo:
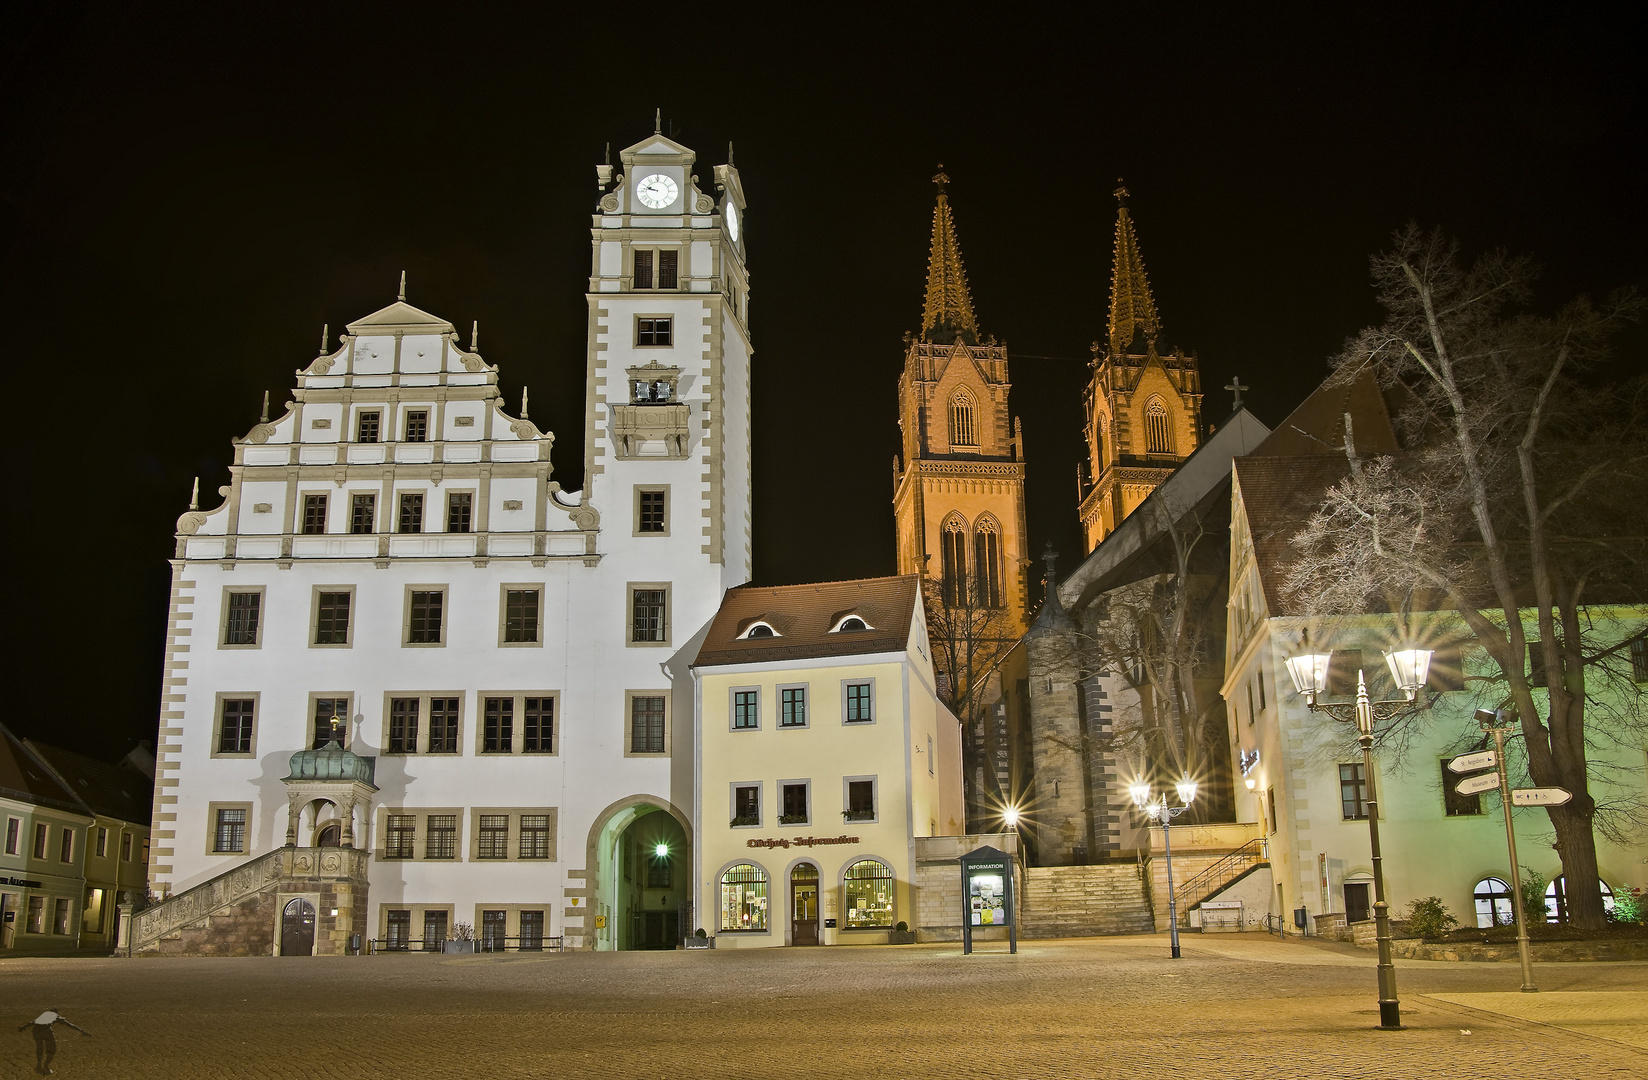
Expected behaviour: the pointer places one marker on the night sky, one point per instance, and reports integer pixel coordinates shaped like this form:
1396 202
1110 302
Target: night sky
189 193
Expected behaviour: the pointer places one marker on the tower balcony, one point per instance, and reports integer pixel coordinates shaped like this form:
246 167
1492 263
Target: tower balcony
650 429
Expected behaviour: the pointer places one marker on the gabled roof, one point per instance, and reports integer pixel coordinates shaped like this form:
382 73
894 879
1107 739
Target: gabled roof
655 145
27 779
802 616
1279 494
400 316
111 789
1317 426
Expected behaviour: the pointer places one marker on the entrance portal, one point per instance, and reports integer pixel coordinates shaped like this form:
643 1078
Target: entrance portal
643 866
297 929
804 904
1357 907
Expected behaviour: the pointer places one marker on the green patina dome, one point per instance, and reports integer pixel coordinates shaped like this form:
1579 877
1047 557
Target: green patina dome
331 762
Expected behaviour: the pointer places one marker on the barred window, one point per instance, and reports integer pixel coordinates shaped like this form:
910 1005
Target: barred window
868 887
332 618
1353 792
1158 429
417 425
411 513
746 709
534 836
403 725
498 730
521 614
667 263
859 707
653 331
987 564
458 507
963 425
792 707
532 931
399 835
363 514
648 612
231 831
1453 803
398 938
425 624
744 898
538 736
492 931
441 840
443 725
647 725
328 709
434 931
492 841
241 625
314 514
234 735
643 269
651 512
366 427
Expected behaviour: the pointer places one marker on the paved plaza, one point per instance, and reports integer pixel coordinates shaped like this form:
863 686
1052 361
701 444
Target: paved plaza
1234 1006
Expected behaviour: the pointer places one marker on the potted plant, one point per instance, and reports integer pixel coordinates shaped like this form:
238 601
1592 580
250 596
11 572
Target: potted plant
858 815
792 819
462 939
746 819
700 940
901 934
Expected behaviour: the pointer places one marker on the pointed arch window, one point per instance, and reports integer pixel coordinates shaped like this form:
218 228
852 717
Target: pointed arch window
1101 455
987 563
953 552
1158 429
963 420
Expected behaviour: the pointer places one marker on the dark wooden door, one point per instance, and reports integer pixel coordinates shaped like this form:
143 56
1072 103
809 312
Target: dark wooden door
659 929
297 929
804 905
1357 906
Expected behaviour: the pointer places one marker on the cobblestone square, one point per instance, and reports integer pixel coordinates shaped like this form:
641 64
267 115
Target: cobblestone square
1234 1006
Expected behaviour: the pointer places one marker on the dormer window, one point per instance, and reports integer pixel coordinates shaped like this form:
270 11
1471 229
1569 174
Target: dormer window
759 630
848 624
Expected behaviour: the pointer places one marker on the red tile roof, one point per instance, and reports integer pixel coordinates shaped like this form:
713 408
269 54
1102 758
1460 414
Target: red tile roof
803 616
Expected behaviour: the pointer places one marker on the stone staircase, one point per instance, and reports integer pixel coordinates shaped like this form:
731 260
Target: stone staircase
1079 901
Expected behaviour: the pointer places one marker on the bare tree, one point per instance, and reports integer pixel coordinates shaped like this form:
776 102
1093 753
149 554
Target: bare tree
969 639
1518 504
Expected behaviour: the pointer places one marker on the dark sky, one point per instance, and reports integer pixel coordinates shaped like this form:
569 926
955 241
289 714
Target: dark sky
189 193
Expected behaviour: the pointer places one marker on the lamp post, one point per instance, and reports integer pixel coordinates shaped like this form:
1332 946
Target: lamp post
1158 810
1410 668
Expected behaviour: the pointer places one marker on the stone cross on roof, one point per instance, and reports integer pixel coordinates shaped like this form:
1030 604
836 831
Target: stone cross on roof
1235 387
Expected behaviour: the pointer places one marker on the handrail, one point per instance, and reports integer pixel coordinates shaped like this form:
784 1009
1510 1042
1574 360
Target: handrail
1218 875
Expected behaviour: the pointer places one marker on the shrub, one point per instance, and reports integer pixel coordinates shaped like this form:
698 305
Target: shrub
902 927
1533 896
1429 917
1630 906
699 932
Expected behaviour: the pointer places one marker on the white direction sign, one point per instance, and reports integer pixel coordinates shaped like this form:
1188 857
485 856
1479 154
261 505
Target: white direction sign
1540 796
1483 759
1471 785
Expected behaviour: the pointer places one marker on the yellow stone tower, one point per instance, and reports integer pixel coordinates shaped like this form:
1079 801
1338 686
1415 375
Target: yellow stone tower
1144 403
958 485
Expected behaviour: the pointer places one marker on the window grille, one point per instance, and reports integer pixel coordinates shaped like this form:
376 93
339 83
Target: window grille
859 703
534 836
403 725
314 514
441 840
746 709
399 935
1353 792
425 626
241 626
443 725
647 725
231 831
363 514
538 734
328 709
332 618
458 507
235 732
366 427
411 513
400 834
417 425
744 898
648 623
868 887
492 931
651 512
434 931
987 564
1158 429
492 842
498 731
793 707
963 427
521 615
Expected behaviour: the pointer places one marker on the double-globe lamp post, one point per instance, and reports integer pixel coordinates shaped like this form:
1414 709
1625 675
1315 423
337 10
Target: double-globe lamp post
1158 810
1410 668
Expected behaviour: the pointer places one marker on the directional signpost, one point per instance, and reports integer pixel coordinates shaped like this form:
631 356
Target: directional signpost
1473 785
1471 762
1494 722
1540 796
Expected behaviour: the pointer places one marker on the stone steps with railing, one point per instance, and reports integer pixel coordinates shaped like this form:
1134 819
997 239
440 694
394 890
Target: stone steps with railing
1077 901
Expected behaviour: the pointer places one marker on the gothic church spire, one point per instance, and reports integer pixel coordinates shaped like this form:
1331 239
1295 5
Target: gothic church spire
1132 308
949 312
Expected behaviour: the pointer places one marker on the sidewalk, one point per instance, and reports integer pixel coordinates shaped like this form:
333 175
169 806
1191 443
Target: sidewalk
1619 1015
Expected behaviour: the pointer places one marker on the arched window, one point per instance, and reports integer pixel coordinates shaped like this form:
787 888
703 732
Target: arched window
1493 903
1158 430
1556 899
987 562
760 630
1101 452
849 624
744 898
953 553
963 416
868 886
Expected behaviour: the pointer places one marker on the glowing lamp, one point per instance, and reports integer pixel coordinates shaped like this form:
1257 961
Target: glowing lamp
661 851
1309 672
1410 668
1140 792
1187 790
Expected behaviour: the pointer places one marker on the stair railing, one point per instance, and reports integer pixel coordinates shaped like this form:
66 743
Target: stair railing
1220 874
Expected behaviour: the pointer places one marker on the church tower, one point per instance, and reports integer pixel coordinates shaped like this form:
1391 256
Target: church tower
958 484
1144 403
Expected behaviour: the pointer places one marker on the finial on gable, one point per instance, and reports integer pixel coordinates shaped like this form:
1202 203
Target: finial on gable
264 419
1121 192
1236 388
402 296
475 336
658 122
325 333
523 403
194 496
729 151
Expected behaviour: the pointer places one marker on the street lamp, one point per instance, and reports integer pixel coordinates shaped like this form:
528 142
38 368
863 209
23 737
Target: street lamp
1410 668
1158 810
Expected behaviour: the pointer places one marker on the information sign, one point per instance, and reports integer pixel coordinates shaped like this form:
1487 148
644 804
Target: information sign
1540 796
1471 785
1482 759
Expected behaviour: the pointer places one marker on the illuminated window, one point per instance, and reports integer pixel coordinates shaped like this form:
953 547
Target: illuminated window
1158 430
868 887
743 898
963 420
1493 903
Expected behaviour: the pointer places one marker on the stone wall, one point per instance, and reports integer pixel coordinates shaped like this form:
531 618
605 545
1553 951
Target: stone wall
243 929
938 884
1079 901
1539 952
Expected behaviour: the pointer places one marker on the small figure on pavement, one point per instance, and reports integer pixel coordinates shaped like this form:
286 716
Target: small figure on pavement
45 1038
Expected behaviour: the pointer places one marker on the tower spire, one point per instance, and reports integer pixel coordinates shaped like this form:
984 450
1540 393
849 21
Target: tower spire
1132 308
949 311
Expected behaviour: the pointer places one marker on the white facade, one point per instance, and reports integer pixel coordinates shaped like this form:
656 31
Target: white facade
581 556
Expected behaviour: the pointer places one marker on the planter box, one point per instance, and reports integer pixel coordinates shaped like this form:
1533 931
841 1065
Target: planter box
700 943
458 947
901 937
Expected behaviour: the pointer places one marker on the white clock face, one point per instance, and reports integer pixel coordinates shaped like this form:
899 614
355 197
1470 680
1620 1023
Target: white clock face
656 191
732 221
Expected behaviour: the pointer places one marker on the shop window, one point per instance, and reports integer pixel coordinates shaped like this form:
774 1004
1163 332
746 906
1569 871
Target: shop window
744 898
868 888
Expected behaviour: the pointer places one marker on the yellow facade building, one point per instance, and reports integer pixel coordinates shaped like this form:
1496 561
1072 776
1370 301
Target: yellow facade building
822 752
1143 403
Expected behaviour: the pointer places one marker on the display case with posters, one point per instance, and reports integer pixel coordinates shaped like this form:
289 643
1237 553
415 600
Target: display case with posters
987 895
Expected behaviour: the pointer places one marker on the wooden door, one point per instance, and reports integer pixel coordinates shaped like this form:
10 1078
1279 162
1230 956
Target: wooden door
297 929
804 905
1357 906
